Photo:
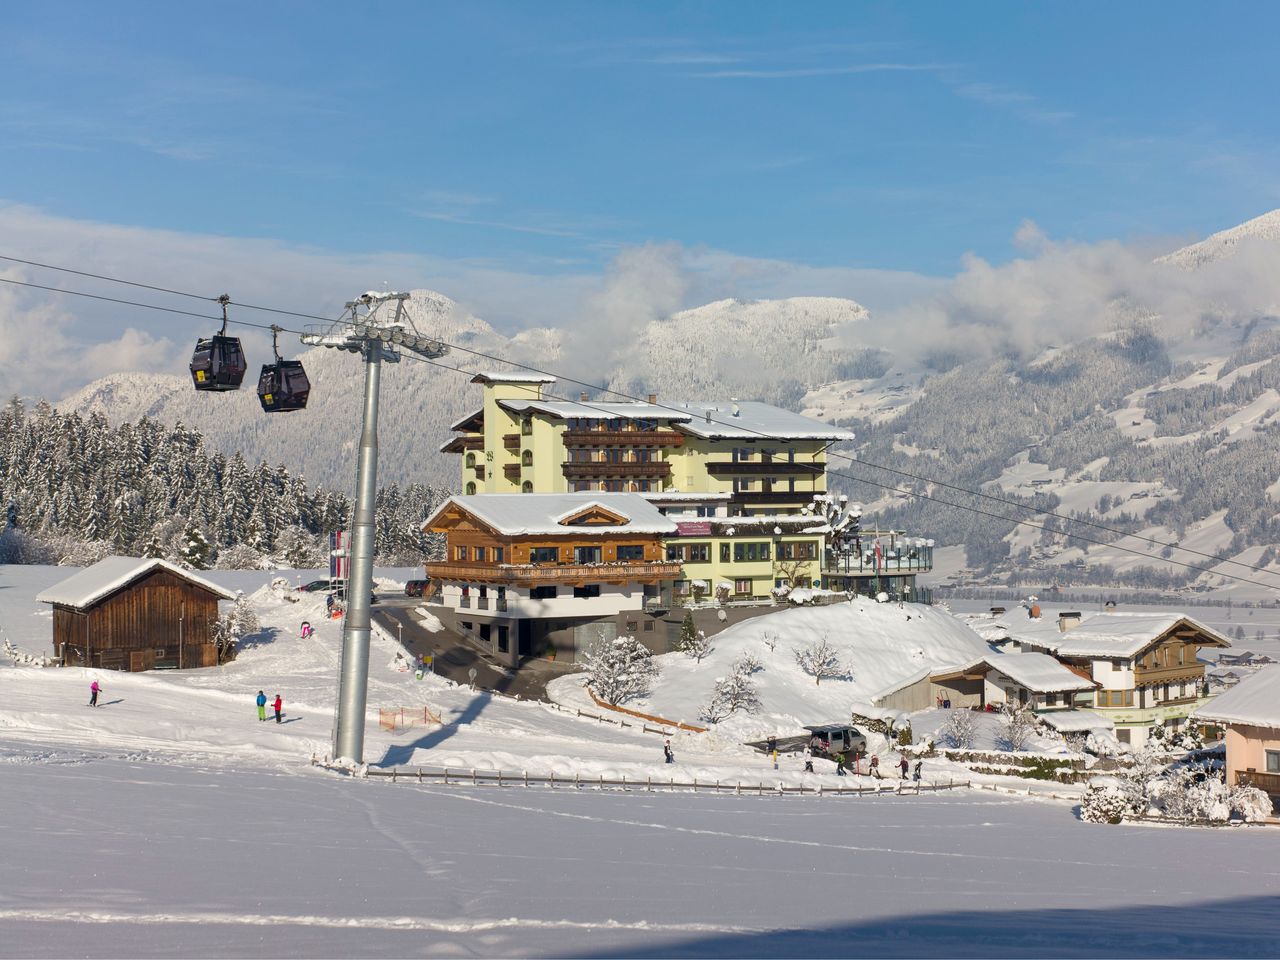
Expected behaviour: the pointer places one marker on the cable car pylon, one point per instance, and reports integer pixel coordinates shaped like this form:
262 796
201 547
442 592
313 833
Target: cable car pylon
378 327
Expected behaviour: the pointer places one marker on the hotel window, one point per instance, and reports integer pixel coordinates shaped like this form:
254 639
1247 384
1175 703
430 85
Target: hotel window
544 555
590 590
526 487
1273 761
742 586
631 551
471 459
648 626
471 489
460 553
479 552
631 626
675 553
542 593
699 552
526 426
499 554
724 553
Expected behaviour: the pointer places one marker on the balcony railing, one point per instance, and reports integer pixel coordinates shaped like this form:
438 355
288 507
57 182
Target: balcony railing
511 471
1270 782
500 604
1145 676
596 470
482 603
479 472
465 601
546 573
623 438
915 561
459 444
774 496
511 441
755 468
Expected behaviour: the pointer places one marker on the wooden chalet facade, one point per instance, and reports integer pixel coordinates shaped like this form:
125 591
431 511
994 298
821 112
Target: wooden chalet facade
547 574
132 614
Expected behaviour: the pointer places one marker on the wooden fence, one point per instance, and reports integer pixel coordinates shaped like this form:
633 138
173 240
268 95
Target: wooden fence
499 778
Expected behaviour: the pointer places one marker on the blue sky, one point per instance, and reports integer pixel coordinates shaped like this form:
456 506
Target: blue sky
513 156
549 135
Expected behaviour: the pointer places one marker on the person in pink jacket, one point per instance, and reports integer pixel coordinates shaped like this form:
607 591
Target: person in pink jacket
93 693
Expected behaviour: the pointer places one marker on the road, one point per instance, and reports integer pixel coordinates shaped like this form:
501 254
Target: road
455 657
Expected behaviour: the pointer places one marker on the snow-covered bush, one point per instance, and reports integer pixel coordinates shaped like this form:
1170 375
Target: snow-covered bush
1189 738
748 664
241 556
1018 726
1104 803
620 669
1251 803
961 728
731 694
770 639
820 659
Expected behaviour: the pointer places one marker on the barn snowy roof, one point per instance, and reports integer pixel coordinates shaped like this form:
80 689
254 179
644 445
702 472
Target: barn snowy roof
105 577
753 420
503 376
1254 701
531 514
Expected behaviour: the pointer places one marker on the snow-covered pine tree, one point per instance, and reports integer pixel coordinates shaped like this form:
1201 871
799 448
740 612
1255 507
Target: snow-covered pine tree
620 669
693 642
195 552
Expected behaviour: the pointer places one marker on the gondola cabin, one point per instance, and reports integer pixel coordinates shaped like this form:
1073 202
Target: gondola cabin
218 363
126 613
283 386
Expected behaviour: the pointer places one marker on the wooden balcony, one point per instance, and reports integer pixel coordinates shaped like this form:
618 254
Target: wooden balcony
511 441
756 468
511 471
1270 782
1146 676
623 438
595 470
646 571
774 496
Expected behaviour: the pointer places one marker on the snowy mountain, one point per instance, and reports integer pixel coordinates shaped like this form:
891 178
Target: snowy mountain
1226 243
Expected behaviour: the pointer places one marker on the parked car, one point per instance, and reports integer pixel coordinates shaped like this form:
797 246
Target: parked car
415 588
839 738
316 586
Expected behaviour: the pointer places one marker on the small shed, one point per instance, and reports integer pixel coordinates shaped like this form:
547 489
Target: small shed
127 613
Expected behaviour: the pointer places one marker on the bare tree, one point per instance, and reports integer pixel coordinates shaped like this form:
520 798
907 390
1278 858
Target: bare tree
619 669
961 728
1019 725
820 659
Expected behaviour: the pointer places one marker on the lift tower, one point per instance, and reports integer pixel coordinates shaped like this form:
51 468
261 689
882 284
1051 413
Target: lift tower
377 326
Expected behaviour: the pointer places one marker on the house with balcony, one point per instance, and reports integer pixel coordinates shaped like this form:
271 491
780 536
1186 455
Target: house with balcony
1250 714
1146 667
550 574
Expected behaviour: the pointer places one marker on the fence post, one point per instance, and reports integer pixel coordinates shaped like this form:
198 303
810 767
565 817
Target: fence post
393 774
819 789
602 781
577 779
419 774
446 776
648 783
526 778
695 784
739 788
499 778
474 781
553 779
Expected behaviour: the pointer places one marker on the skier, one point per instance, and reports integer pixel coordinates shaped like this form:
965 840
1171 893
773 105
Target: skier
916 773
93 693
902 765
306 629
276 706
261 701
668 756
875 766
808 766
839 758
771 745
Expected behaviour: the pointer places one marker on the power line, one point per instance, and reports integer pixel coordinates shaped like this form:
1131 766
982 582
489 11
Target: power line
618 393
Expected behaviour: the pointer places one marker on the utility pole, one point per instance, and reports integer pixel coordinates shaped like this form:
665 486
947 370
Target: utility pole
367 330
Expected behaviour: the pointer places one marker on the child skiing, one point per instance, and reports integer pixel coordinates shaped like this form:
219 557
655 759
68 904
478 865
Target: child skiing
93 693
668 756
261 701
276 706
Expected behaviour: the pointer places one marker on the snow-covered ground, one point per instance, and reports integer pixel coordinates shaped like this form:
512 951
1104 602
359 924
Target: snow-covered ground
169 821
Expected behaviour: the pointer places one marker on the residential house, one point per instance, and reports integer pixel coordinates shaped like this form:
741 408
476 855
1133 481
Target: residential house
1146 666
126 613
1250 712
1034 680
550 574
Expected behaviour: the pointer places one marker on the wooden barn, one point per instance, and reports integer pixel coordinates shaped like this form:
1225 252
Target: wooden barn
126 613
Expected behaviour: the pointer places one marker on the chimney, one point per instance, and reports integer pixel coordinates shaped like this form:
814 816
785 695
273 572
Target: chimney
1068 619
653 398
582 397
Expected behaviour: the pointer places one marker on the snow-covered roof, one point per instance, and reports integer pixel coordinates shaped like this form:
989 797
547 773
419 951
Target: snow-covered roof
753 420
1254 701
1103 634
1038 672
675 496
503 376
88 586
1075 721
460 424
537 514
594 410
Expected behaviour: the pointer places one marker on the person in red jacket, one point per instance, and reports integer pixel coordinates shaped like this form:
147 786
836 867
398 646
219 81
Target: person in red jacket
277 706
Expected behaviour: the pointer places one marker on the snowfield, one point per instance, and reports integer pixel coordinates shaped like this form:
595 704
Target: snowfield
170 822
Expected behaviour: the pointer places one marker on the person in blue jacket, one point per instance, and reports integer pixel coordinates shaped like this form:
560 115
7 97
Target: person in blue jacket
262 705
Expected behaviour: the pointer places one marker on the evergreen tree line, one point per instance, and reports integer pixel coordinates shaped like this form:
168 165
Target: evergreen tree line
78 489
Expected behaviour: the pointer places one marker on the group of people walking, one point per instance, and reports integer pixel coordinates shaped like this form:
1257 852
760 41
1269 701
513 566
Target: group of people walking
277 705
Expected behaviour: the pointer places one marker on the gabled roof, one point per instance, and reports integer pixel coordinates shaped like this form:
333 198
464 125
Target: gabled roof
472 422
541 514
1105 634
1038 672
107 576
1253 702
595 409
